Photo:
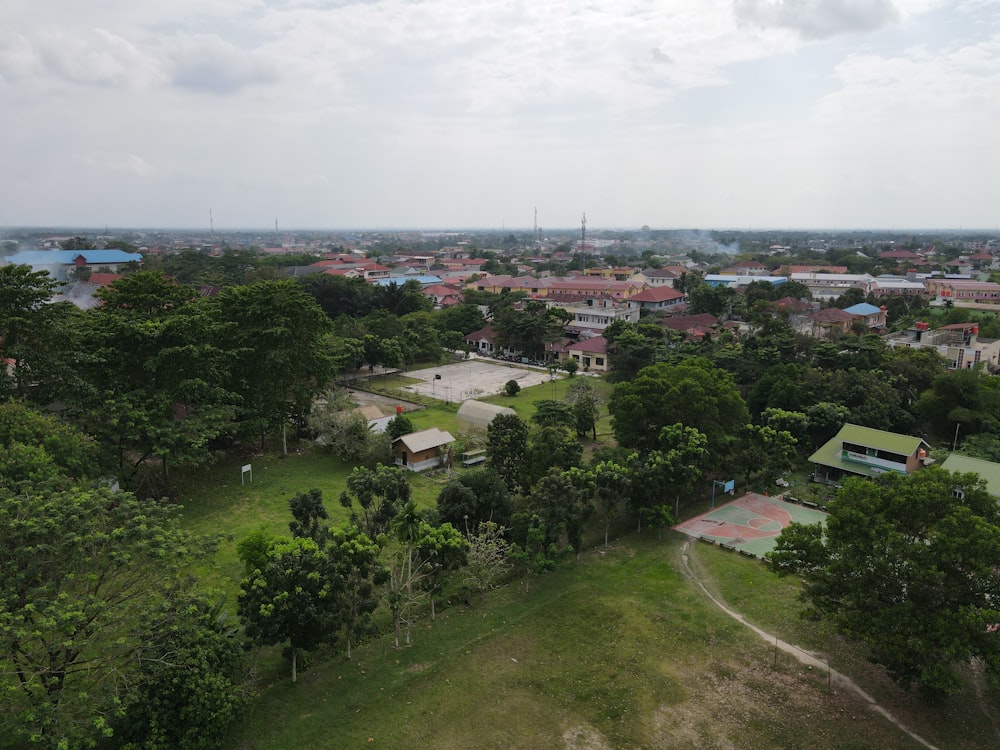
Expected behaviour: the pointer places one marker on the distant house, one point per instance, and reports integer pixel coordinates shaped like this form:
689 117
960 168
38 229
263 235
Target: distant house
484 341
958 343
874 317
656 298
422 450
829 323
590 354
867 452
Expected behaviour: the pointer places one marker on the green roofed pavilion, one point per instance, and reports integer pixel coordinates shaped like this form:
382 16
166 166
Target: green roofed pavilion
867 452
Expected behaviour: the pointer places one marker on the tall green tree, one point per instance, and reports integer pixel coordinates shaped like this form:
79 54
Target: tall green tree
86 581
507 441
694 393
355 561
24 320
277 335
294 600
380 493
909 566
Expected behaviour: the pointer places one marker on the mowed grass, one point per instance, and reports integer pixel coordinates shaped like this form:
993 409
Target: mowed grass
619 650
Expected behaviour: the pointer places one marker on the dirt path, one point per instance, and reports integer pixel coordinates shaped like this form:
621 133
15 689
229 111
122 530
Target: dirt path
802 655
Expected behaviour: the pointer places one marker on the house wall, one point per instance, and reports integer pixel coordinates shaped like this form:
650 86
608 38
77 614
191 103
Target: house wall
422 461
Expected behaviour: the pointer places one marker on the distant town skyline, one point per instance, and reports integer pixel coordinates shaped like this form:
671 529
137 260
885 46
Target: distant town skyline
833 115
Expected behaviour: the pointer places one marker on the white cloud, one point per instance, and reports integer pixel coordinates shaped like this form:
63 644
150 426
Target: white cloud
468 112
209 64
818 19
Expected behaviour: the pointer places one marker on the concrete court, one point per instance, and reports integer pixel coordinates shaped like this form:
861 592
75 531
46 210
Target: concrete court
472 378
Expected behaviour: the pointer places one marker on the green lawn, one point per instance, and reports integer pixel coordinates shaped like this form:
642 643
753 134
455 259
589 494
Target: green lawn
619 650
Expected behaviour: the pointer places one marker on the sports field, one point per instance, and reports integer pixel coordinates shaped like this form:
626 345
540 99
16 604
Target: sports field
750 524
473 378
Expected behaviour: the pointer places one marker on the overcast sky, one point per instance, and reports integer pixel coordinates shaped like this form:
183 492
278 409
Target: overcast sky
471 113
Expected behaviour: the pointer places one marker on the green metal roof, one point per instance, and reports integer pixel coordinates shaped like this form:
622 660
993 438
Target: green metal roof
830 454
988 470
871 438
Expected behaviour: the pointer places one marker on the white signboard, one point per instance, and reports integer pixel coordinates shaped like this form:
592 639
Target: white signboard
248 469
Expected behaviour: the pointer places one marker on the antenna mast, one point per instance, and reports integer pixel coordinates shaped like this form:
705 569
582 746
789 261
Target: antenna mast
211 223
583 241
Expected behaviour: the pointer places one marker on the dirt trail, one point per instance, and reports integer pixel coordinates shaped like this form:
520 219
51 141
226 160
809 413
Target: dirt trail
803 656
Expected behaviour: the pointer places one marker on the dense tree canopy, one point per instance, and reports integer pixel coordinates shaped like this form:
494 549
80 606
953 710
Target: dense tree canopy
693 393
911 566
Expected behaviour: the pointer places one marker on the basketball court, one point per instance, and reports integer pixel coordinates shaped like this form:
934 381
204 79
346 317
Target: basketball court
750 524
473 378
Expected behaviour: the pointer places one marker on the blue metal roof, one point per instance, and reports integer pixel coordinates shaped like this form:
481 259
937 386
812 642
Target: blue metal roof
862 308
400 280
68 257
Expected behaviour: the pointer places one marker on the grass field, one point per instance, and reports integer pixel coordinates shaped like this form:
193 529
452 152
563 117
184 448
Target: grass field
618 650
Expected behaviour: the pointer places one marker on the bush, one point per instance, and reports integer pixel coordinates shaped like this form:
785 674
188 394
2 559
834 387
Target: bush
511 388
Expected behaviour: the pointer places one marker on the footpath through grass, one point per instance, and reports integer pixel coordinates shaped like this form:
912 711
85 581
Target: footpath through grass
619 650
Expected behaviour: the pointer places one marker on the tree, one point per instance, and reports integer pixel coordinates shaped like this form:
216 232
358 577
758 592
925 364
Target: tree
507 439
193 686
398 426
611 489
561 501
570 366
475 497
345 433
672 469
354 560
23 315
511 387
442 550
582 396
277 334
764 449
293 600
694 393
536 553
379 493
487 562
550 413
86 581
550 447
909 566
309 514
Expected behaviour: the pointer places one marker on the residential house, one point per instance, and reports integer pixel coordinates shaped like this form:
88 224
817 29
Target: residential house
867 452
484 341
656 298
828 323
590 354
958 343
422 450
874 318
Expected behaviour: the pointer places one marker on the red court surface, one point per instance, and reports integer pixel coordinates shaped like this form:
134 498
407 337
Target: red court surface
750 524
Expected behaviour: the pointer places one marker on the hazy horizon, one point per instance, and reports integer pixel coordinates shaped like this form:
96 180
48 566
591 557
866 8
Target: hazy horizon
419 114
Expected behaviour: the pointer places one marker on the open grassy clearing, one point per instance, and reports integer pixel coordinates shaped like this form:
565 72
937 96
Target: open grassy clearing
617 651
